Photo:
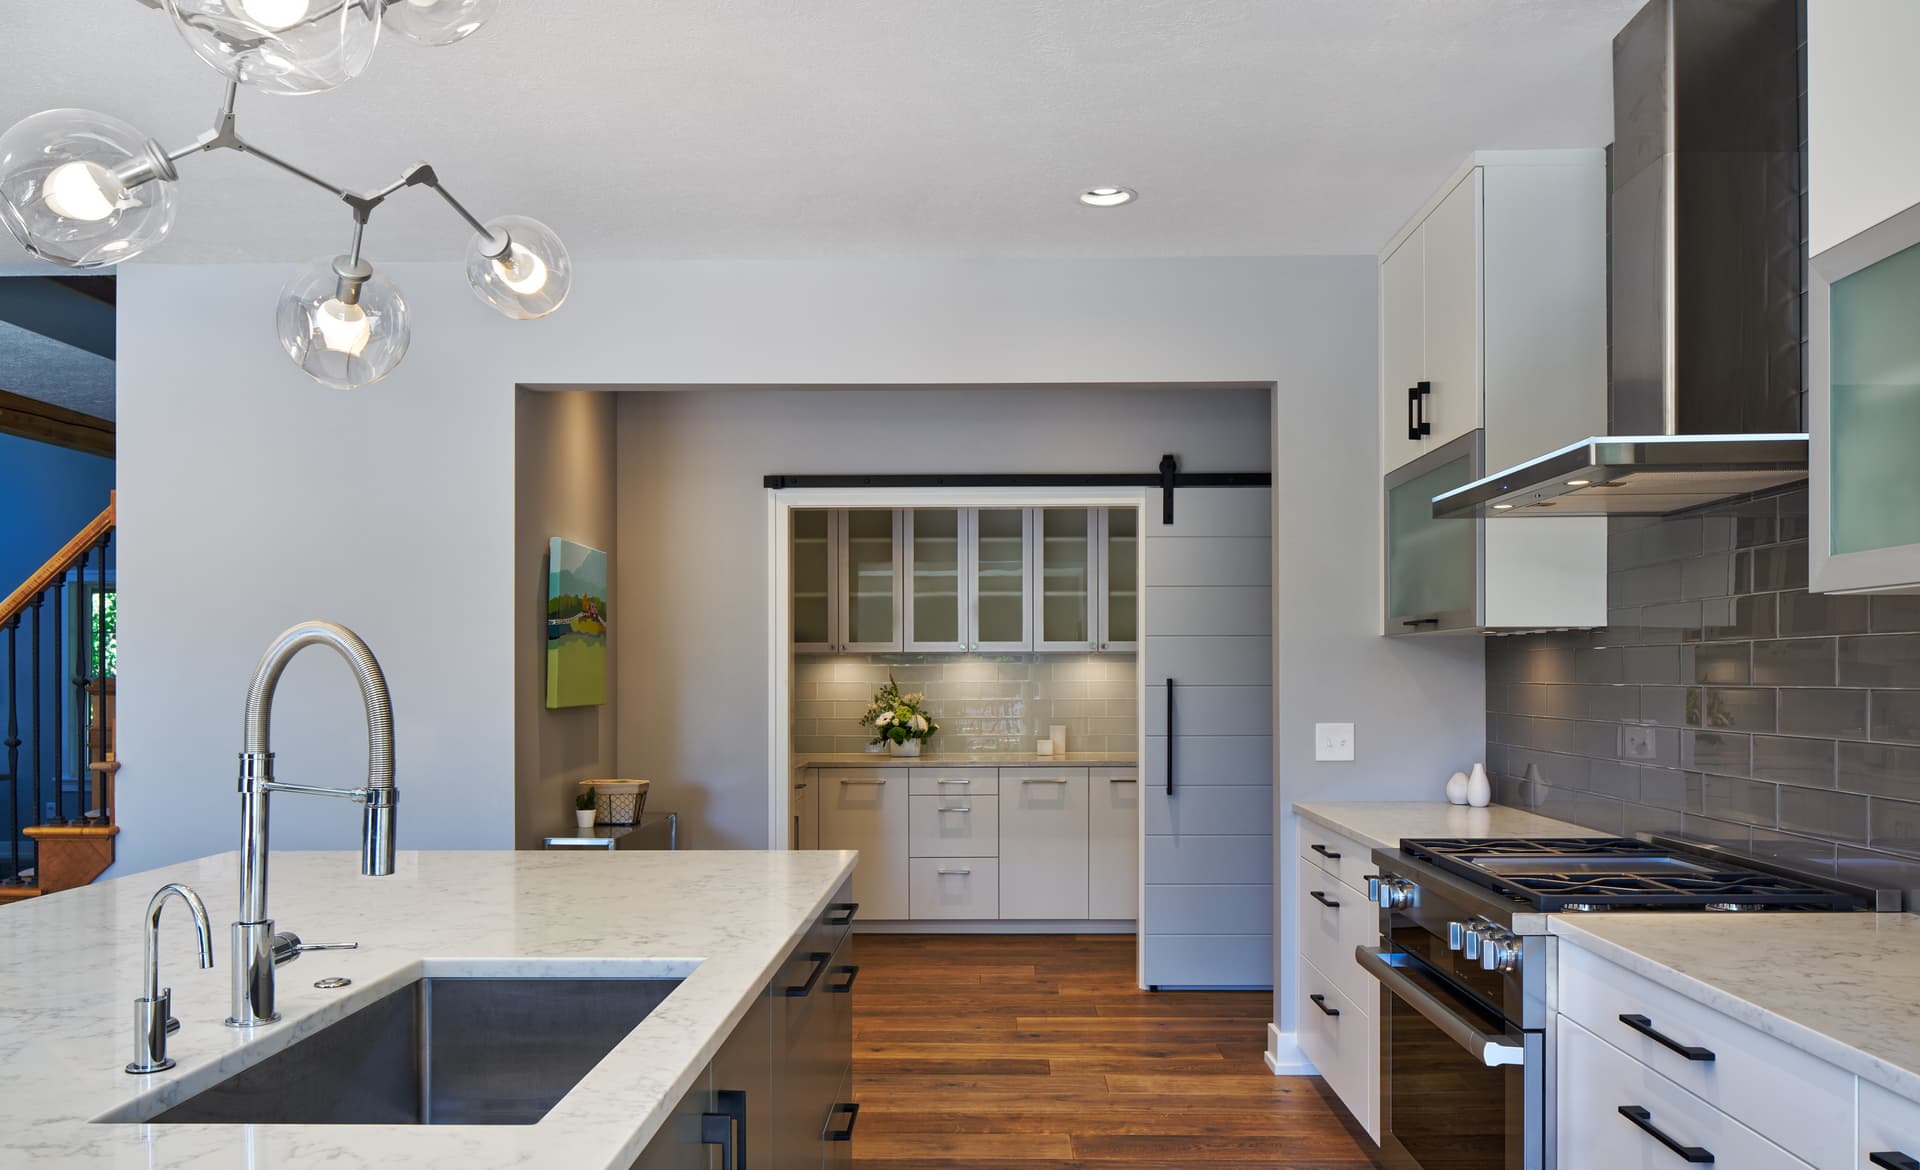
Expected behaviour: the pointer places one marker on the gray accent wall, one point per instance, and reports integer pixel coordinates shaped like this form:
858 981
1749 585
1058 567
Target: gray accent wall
1723 701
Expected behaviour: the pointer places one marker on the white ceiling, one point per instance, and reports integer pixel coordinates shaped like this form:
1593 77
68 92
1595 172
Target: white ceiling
862 128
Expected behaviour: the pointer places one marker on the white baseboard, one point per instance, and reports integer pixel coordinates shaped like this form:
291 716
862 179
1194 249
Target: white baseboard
1284 1056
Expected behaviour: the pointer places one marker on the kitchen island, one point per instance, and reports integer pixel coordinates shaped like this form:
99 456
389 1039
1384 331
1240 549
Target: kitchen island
72 963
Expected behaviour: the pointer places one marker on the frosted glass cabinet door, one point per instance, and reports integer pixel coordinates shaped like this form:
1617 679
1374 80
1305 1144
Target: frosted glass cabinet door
1432 583
816 610
936 547
1002 566
1119 579
1865 362
870 593
1066 614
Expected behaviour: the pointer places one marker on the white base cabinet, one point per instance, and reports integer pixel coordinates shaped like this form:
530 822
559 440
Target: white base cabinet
865 809
1043 844
1113 843
1337 1009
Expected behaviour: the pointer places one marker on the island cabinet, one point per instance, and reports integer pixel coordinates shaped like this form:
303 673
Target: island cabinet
777 1094
1029 843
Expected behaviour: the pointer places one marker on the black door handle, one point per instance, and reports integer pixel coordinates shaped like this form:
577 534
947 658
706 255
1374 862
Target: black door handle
1320 896
1644 1120
852 1111
1644 1026
1320 1001
1894 1160
852 972
1169 737
819 959
844 912
1325 852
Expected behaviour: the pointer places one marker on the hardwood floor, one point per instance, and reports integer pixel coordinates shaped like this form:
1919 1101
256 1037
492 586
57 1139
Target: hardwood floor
1013 1052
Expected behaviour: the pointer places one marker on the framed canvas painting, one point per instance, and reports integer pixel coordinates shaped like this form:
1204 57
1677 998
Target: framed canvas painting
576 625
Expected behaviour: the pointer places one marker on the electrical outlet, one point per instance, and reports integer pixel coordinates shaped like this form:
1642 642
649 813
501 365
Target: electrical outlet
1333 741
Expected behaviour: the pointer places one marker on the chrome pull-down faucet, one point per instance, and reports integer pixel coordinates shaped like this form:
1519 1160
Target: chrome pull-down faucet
254 942
153 1018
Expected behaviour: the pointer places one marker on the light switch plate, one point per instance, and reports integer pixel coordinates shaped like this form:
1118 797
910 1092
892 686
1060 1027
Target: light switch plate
1333 741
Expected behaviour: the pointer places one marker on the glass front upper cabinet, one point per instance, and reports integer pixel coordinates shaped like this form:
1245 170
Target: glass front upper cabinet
1864 411
1432 565
1120 574
1002 573
871 555
936 546
816 612
1067 562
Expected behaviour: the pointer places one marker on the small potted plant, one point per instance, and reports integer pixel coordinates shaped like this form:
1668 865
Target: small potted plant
899 721
583 808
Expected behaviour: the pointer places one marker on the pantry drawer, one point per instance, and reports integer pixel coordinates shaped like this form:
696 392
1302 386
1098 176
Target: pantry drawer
1341 856
955 781
953 826
1597 1081
1889 1127
1341 1041
954 887
1796 1100
1329 934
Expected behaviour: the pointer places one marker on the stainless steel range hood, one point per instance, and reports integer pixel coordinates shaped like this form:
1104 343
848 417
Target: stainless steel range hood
1708 266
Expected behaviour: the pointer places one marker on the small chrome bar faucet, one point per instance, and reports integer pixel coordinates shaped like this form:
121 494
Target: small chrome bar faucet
153 1018
256 948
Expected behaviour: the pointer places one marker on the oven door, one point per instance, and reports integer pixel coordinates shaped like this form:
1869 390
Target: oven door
1461 1087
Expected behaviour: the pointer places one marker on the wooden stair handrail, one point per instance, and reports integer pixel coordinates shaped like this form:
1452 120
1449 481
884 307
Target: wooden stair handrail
60 563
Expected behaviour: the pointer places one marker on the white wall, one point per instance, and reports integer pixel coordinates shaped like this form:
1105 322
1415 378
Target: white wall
251 498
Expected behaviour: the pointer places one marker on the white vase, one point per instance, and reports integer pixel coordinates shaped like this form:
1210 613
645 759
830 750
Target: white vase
1457 788
1479 788
909 748
583 817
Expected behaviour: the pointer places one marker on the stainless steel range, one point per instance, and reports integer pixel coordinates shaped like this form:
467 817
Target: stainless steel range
1466 970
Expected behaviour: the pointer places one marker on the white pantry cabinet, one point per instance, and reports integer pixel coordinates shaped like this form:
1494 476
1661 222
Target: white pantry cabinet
846 588
1043 844
866 809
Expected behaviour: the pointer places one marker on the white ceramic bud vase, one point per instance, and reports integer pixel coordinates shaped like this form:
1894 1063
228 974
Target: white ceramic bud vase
1457 788
1479 788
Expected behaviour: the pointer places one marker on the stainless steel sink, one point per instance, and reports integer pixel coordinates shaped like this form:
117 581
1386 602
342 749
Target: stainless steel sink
440 1051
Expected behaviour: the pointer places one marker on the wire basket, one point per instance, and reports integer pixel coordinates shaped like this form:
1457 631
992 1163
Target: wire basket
618 802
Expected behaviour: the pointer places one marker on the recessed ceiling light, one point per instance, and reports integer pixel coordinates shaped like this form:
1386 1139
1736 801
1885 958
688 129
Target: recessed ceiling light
1108 196
1578 482
1502 507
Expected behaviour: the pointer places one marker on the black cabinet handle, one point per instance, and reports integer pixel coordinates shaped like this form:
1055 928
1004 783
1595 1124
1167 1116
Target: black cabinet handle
1421 391
1320 896
830 1134
1644 1026
844 912
1325 852
852 972
1413 414
1644 1120
727 1128
1416 623
1169 737
1894 1160
1320 1001
819 959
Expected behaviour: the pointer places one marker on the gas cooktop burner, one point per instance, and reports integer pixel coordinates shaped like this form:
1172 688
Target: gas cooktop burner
1559 874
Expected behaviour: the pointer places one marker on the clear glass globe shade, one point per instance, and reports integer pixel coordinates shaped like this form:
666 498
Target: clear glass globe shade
438 22
531 279
338 339
70 188
281 46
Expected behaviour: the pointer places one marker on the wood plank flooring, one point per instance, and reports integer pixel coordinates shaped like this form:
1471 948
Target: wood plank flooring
1011 1052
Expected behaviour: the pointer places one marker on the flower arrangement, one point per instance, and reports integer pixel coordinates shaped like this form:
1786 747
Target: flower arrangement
897 718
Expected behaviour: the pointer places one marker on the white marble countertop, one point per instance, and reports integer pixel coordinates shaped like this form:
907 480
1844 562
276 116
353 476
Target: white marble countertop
964 760
1382 824
71 964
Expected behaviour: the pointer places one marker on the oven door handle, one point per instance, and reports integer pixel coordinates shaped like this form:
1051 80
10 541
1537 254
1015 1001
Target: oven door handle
1492 1048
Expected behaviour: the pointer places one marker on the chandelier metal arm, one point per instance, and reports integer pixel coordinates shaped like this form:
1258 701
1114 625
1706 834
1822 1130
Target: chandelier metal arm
497 243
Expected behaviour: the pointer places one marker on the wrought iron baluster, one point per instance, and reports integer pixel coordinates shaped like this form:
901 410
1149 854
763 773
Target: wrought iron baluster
59 709
13 744
33 730
81 717
100 681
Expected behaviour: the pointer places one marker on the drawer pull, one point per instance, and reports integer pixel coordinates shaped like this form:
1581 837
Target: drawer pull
1123 779
864 783
1894 1160
1644 1026
1325 852
1644 1120
1043 780
953 781
956 808
953 872
819 959
1320 1001
851 971
831 1134
1320 896
841 913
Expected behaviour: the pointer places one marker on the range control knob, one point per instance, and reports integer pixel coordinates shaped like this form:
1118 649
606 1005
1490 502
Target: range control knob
1456 935
1396 893
1501 951
1472 935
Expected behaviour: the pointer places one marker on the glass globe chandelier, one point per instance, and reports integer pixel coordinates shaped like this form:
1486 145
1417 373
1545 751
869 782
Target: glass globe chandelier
84 189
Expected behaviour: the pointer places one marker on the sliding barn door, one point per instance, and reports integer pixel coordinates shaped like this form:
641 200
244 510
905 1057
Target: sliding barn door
1206 799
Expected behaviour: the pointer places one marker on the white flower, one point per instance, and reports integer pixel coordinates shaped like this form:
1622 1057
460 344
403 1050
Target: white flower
885 718
919 723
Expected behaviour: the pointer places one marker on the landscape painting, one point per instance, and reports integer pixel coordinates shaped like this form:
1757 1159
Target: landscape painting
576 625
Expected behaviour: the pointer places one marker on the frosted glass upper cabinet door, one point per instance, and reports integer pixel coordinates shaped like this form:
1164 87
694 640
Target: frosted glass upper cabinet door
937 547
1002 569
816 575
1433 565
1119 579
870 621
1865 411
1067 559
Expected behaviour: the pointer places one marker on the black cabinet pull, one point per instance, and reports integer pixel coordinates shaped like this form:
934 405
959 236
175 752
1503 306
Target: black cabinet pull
1421 391
1644 1120
1416 623
852 972
830 1134
727 1128
1894 1160
1644 1026
1325 852
1320 1001
1169 737
844 912
1321 897
1413 414
819 959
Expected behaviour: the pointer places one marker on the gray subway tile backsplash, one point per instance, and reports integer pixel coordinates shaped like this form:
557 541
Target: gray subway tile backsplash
1724 702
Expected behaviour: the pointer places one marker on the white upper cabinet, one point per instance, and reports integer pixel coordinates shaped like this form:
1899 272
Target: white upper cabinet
1067 559
1403 353
816 581
1001 572
1450 314
1118 590
870 561
937 549
1863 98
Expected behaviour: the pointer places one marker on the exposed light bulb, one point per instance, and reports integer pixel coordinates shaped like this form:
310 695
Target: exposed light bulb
272 15
83 190
423 3
343 328
523 272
